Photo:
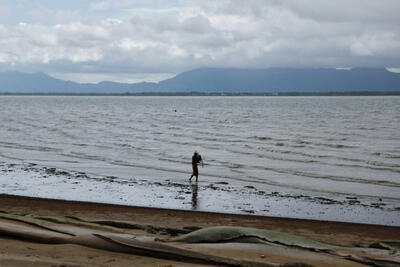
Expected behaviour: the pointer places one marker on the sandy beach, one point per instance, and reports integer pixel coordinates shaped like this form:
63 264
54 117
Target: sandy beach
23 213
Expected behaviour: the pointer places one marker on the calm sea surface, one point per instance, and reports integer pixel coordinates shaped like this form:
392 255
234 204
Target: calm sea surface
338 145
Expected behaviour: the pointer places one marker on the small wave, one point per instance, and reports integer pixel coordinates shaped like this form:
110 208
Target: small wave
149 167
311 158
335 145
60 131
336 139
224 134
177 135
80 144
28 147
174 128
30 124
384 164
366 128
379 168
298 146
387 155
169 159
272 157
208 139
11 129
192 143
320 176
300 153
302 142
85 156
262 138
346 179
235 166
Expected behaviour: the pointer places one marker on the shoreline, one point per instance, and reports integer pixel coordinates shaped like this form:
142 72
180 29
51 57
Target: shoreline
220 197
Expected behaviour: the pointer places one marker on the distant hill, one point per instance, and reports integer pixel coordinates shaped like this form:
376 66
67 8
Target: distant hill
214 80
19 82
278 80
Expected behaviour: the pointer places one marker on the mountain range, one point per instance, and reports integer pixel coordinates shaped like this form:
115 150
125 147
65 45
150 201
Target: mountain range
219 80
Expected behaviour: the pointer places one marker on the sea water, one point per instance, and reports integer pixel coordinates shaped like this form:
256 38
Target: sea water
338 145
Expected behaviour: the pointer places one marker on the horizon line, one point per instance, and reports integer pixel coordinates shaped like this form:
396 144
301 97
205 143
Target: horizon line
389 69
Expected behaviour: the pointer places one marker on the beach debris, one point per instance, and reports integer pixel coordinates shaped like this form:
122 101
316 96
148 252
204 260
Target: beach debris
326 201
386 244
249 211
221 183
151 230
353 202
250 186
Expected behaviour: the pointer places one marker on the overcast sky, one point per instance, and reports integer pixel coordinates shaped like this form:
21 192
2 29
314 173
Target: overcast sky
130 41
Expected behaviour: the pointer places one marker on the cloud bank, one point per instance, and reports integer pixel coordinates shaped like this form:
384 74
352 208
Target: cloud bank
125 40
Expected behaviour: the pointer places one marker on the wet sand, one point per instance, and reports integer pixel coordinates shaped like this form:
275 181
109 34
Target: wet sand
31 180
17 252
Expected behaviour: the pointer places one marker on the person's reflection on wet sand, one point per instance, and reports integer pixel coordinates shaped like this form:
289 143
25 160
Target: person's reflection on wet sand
194 195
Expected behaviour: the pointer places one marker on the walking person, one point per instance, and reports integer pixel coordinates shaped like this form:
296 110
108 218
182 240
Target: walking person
195 160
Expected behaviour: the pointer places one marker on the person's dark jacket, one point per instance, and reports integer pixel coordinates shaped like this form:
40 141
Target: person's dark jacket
196 159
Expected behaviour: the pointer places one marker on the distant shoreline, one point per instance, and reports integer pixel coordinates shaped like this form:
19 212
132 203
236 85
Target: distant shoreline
361 93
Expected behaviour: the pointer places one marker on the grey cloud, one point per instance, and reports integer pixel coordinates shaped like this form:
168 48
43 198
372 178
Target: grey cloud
251 34
358 11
